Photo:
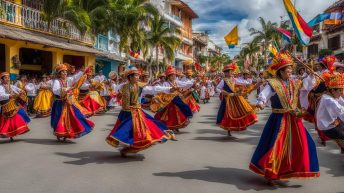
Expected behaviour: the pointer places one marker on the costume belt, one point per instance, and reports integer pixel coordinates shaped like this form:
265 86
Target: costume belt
280 111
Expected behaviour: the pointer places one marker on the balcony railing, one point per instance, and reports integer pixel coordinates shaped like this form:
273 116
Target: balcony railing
173 18
30 18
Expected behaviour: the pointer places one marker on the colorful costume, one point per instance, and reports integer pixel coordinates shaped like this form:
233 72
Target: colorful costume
13 118
135 129
44 100
285 150
173 111
66 119
330 119
90 99
235 113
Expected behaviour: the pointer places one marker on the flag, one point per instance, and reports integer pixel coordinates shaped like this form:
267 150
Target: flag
301 28
285 34
232 38
273 50
319 19
335 18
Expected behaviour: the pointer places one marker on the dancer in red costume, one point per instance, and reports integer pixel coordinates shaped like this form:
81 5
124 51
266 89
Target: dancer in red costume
13 118
235 113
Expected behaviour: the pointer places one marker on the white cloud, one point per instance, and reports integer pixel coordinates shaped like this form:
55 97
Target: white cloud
272 10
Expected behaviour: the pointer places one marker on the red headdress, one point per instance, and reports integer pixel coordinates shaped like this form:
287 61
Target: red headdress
170 70
280 61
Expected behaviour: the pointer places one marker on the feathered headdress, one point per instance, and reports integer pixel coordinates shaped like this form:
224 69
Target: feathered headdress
280 61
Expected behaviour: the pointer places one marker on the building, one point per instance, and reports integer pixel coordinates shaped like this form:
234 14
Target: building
179 14
327 36
200 50
28 46
111 60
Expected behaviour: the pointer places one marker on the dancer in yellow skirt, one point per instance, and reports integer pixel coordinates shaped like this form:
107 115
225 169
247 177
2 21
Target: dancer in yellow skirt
44 99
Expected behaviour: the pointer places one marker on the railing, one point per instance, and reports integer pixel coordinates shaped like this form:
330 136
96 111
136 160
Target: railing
31 18
177 20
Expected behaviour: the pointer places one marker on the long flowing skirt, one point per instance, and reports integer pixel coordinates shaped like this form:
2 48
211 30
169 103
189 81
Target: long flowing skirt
192 103
137 131
93 102
43 103
15 125
68 121
175 115
285 150
235 116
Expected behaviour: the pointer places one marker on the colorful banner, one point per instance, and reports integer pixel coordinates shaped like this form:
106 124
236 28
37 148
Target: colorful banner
232 38
301 28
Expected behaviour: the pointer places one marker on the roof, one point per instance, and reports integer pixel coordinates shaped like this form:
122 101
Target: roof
111 56
339 5
185 8
45 39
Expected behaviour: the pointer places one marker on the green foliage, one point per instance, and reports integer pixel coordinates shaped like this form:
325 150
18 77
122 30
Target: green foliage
325 52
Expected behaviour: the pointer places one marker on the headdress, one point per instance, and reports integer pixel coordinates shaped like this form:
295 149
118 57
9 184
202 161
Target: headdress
280 61
335 80
170 70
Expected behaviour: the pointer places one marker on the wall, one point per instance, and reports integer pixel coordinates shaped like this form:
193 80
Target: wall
12 49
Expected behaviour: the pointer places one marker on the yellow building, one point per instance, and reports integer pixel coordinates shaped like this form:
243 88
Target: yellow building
28 47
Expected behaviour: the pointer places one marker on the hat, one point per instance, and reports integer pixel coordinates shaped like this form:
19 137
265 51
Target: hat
2 74
189 72
335 80
280 61
61 67
246 71
112 74
329 61
132 70
44 76
170 70
232 66
162 75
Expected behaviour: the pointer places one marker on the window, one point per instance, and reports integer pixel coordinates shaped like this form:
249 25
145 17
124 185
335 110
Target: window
334 43
313 50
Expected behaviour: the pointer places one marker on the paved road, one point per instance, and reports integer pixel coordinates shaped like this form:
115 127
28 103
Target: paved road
204 160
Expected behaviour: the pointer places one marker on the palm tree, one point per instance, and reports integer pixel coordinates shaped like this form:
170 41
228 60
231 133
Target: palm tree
264 35
68 10
250 50
128 19
162 36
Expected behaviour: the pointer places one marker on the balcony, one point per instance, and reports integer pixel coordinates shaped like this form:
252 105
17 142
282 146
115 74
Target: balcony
173 18
183 56
29 18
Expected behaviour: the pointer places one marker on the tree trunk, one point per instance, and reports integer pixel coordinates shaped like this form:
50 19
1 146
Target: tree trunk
157 59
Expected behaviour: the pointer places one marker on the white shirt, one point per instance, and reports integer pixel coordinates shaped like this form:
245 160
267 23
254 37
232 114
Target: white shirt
308 84
238 81
328 111
100 78
4 95
31 89
86 85
70 81
180 84
265 95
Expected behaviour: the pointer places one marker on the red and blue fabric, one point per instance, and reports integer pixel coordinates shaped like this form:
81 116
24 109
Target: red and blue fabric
136 130
68 121
175 115
285 150
14 125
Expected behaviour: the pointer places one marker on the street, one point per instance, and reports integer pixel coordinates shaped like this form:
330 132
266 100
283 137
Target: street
203 160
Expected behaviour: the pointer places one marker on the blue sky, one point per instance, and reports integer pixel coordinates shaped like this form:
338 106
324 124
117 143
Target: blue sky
219 16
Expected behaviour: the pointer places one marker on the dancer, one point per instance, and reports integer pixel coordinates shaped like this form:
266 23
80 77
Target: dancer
13 118
135 129
66 119
171 109
191 97
44 99
330 113
285 150
235 113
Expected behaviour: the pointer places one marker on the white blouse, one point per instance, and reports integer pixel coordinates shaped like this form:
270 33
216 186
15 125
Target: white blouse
238 81
31 89
328 111
4 95
180 84
70 81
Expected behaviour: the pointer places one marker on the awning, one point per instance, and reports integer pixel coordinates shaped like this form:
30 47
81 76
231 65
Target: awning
111 56
44 39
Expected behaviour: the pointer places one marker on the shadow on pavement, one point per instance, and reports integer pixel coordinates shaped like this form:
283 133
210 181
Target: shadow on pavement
240 178
99 157
47 142
218 138
212 131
